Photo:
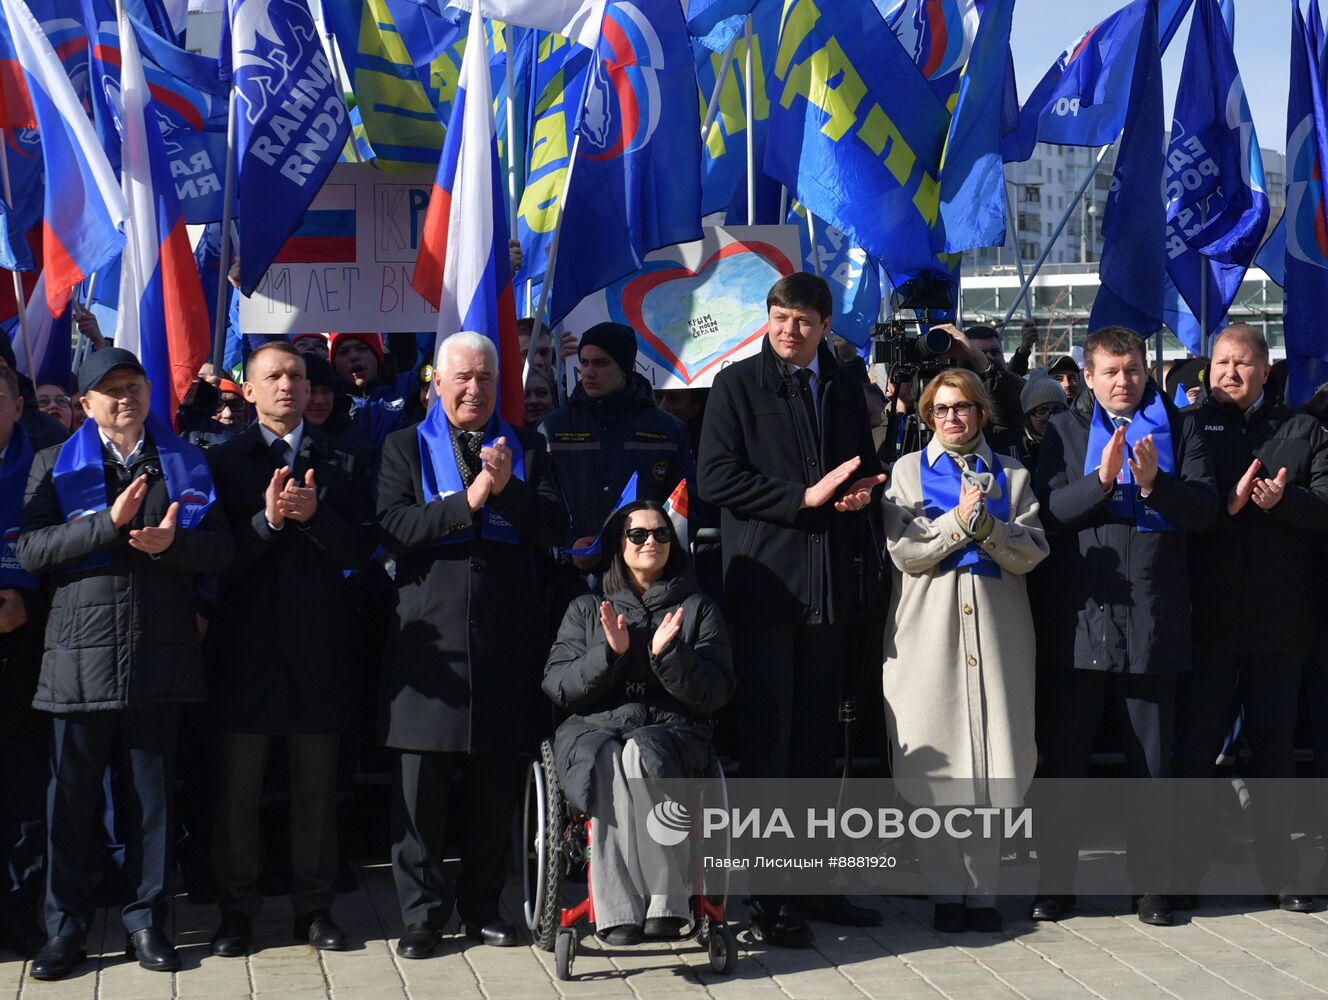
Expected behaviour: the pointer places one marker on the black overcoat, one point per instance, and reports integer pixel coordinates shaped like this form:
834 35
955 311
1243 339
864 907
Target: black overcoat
464 655
784 563
280 641
1128 590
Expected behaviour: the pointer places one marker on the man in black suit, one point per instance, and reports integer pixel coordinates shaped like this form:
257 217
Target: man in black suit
464 500
301 515
787 454
1122 477
122 517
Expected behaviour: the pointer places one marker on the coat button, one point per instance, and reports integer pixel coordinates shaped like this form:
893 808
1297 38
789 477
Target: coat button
816 538
954 536
968 609
811 461
972 661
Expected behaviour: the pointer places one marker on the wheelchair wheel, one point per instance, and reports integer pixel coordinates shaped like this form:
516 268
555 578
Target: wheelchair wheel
565 953
543 865
722 948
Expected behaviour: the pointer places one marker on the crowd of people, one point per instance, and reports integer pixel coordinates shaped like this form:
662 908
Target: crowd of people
341 528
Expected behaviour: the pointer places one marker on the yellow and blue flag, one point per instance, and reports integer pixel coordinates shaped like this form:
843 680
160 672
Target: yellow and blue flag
856 131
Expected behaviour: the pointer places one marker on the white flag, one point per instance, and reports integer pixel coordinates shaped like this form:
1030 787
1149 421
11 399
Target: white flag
578 20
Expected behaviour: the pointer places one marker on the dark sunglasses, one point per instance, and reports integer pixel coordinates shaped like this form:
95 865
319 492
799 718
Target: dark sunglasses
1048 410
638 536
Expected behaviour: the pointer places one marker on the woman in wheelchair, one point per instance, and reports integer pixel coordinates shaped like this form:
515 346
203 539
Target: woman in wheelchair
643 670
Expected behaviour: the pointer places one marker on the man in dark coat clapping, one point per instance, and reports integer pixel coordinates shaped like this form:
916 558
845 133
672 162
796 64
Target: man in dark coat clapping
302 515
463 500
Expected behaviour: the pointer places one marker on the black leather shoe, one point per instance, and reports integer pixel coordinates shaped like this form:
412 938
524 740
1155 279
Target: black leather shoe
1154 908
496 934
233 936
781 927
664 928
835 910
985 919
1050 907
57 958
319 930
418 941
949 918
1296 902
153 951
621 936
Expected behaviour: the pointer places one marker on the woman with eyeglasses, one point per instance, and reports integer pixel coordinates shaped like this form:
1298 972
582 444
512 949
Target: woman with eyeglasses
53 399
962 531
644 668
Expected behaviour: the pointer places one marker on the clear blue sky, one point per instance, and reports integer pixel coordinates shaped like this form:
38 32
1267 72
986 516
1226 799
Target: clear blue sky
1042 28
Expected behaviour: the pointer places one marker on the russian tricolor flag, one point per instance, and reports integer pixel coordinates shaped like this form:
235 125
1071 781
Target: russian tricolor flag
162 317
84 206
462 267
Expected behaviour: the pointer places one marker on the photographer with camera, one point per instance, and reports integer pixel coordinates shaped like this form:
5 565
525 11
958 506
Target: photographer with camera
979 350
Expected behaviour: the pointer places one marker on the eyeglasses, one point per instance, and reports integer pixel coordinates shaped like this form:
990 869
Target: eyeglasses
638 536
234 405
960 410
61 401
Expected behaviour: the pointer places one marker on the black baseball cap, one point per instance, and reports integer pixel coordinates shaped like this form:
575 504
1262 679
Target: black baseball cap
102 363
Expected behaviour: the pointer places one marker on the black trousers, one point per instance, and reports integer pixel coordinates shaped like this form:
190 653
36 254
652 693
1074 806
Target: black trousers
421 795
1268 685
82 746
791 680
1146 706
237 847
25 736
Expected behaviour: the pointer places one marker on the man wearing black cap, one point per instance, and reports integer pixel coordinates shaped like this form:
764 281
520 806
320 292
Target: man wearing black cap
120 520
609 430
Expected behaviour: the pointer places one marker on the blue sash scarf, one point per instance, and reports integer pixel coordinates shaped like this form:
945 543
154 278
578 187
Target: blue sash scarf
942 485
13 482
440 475
80 478
1150 418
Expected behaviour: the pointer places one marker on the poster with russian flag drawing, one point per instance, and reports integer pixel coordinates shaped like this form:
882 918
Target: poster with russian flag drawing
696 307
348 265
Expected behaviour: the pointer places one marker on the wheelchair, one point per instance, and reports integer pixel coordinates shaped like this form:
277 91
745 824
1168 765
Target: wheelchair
556 842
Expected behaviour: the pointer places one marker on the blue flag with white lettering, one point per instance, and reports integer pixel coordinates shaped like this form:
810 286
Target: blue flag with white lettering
291 122
1217 205
854 278
1306 219
1083 98
856 131
1133 265
636 185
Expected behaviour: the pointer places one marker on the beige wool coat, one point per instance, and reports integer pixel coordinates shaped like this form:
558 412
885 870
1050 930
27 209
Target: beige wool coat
958 671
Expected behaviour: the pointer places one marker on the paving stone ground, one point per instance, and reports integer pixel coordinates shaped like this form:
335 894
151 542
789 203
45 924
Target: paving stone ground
1229 948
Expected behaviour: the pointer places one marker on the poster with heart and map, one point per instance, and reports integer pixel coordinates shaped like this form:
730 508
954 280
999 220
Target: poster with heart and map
696 307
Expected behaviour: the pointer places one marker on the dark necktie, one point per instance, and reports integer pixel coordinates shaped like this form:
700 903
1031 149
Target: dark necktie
1121 421
804 377
280 452
468 444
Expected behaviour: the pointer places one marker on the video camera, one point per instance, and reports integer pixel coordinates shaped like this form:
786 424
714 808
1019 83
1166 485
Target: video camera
913 349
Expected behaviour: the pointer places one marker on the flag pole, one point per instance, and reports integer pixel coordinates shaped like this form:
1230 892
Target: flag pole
1060 228
509 37
19 297
712 109
550 263
783 204
750 108
228 199
1203 291
811 236
1018 250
